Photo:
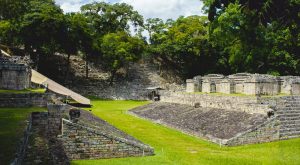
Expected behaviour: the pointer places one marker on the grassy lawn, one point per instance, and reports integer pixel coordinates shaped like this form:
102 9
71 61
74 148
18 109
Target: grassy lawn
12 125
174 148
39 90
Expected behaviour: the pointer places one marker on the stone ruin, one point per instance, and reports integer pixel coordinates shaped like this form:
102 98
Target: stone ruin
14 76
231 119
245 83
61 138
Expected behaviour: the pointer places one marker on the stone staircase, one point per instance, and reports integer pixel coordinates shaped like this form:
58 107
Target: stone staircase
289 116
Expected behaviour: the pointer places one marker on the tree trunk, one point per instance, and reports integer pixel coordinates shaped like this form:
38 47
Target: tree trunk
113 74
68 68
86 67
37 60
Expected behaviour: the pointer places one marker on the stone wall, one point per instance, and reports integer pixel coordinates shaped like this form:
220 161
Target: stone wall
249 104
23 100
14 76
267 132
249 84
81 141
85 143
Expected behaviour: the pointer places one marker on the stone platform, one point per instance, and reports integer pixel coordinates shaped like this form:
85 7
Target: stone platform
209 123
217 119
53 138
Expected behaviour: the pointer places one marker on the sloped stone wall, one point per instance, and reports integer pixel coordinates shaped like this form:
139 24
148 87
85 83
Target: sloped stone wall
267 132
85 143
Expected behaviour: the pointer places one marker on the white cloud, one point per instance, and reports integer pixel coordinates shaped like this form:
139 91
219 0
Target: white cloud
166 9
72 5
148 8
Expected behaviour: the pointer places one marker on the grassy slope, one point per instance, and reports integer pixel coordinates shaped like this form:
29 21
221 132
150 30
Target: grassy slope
12 125
173 147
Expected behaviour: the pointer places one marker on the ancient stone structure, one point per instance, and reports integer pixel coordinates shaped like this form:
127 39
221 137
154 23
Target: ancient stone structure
14 76
24 99
227 120
63 139
245 83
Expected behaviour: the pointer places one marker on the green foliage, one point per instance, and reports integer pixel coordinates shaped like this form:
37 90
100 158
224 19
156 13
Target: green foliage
119 49
256 36
110 18
173 147
42 25
183 45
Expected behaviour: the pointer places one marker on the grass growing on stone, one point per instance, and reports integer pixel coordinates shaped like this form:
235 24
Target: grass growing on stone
175 148
39 90
12 125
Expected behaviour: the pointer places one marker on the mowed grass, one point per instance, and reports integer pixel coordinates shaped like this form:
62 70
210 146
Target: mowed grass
24 91
175 148
12 125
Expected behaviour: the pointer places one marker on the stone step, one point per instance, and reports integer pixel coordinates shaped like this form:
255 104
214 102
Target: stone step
287 111
289 115
287 126
288 134
290 137
286 130
297 118
289 122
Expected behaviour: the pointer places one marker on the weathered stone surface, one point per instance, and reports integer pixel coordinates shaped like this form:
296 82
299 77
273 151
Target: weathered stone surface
14 76
23 100
209 123
245 83
247 104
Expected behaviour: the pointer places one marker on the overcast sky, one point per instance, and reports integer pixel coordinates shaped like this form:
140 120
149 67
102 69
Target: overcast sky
148 8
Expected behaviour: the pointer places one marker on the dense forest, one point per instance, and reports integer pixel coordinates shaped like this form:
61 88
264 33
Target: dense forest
235 36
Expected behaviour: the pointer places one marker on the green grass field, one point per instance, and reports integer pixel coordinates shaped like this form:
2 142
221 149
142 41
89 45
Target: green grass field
175 148
39 90
12 125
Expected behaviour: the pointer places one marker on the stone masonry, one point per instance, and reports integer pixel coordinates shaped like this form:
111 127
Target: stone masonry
55 139
227 120
24 100
244 83
81 142
14 76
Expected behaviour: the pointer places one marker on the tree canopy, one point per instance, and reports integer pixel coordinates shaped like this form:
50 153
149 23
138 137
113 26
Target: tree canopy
236 36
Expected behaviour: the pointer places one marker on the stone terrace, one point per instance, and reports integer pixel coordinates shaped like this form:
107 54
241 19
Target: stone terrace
209 123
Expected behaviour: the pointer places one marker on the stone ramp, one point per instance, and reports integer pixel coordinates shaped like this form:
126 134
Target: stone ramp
38 78
203 122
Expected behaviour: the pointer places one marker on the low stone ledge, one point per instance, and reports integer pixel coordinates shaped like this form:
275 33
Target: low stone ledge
23 100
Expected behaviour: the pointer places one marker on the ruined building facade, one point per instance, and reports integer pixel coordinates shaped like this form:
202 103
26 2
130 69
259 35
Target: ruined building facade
245 83
14 76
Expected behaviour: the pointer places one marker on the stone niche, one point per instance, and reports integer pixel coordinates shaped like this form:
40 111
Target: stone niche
14 76
290 85
194 85
212 83
239 80
227 86
191 86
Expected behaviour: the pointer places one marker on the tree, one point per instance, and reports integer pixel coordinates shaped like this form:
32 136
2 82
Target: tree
183 46
41 28
119 49
154 26
109 18
256 36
